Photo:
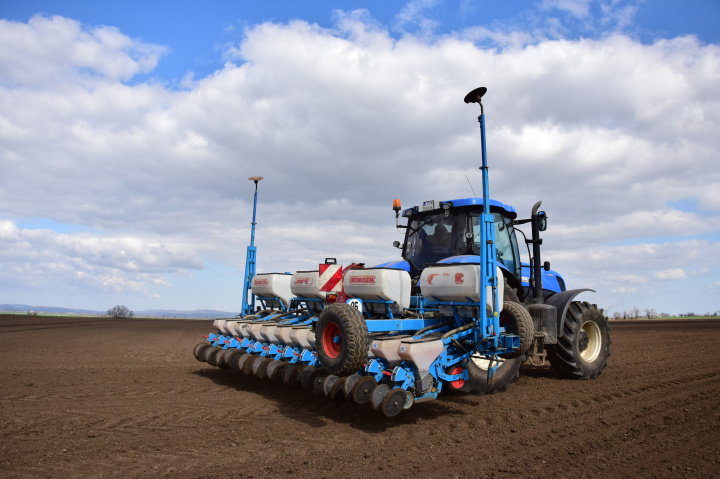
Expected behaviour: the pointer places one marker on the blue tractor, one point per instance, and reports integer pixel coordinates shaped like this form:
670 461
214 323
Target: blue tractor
573 335
458 312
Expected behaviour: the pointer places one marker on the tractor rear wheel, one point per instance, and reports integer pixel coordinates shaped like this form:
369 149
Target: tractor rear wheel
342 339
517 320
582 352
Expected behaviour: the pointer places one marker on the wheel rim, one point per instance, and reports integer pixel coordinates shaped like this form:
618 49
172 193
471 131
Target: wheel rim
394 402
410 400
458 383
590 341
332 340
378 395
362 391
483 362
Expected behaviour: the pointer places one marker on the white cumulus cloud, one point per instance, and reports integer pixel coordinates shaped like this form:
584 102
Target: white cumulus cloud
610 133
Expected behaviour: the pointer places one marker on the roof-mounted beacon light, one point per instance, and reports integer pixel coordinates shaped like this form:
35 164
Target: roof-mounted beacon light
397 206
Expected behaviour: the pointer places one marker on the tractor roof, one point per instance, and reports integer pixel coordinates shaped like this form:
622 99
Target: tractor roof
506 209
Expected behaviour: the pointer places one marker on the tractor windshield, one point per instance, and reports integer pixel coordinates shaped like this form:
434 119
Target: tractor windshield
433 236
505 243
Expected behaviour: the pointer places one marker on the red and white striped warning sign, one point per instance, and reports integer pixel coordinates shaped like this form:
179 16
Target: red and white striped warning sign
330 279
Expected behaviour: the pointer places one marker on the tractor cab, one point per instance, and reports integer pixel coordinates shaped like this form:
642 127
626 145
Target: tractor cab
444 229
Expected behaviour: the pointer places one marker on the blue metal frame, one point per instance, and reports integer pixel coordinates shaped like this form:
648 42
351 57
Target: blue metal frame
487 237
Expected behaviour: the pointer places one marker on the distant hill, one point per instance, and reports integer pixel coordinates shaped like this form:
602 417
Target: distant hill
198 313
150 313
21 308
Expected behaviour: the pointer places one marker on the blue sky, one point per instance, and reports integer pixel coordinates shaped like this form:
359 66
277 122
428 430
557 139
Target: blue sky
127 130
195 32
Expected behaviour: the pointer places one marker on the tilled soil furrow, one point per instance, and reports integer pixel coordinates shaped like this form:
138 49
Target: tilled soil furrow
85 397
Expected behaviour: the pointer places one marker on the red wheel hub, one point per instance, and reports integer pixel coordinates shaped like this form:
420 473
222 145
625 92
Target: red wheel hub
332 340
458 383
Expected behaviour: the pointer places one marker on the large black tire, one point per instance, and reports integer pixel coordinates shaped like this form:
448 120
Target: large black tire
583 350
342 339
509 368
477 382
517 320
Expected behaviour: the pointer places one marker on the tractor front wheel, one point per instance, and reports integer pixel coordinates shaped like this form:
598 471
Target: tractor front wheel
507 371
517 320
342 339
582 352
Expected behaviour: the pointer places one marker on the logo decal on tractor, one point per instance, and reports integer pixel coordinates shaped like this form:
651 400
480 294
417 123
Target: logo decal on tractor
459 278
431 277
303 281
260 281
362 280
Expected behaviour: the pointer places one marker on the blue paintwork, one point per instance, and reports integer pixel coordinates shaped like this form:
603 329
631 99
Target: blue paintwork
395 265
549 279
463 258
507 209
250 260
401 325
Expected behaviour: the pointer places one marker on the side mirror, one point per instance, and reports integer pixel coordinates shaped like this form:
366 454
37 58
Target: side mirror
542 221
546 265
396 244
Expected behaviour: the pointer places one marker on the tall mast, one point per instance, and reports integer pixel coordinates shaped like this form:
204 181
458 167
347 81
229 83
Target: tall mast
249 307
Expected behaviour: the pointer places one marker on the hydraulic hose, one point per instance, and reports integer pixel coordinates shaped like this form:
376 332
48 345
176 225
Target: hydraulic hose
433 326
458 330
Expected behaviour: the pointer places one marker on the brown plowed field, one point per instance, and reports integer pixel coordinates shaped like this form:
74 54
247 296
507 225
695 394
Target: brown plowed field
123 398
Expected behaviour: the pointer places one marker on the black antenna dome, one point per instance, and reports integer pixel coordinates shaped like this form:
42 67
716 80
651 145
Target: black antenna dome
475 95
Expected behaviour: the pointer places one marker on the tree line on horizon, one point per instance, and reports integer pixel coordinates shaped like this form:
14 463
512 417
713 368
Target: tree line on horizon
650 313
